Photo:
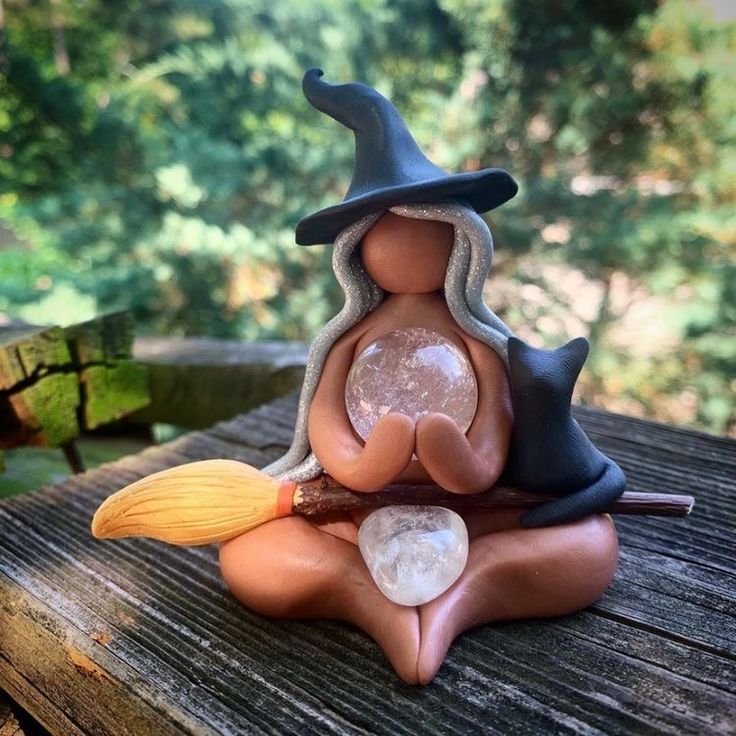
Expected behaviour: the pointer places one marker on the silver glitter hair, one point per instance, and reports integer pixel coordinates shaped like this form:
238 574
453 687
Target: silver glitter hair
467 270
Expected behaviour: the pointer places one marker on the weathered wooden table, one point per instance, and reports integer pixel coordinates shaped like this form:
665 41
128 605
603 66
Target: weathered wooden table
136 637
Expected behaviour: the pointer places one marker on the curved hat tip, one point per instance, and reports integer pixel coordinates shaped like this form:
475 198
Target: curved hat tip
311 76
389 166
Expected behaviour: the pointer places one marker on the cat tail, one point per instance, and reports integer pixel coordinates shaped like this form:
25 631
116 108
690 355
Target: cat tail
590 500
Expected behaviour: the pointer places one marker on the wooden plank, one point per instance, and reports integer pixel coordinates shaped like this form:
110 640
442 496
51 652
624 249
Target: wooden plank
15 721
654 656
59 661
682 600
9 725
198 381
659 457
687 443
156 574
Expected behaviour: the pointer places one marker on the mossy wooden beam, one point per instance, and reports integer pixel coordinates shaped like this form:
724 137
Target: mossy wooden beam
31 353
46 411
39 394
112 385
56 382
110 392
105 339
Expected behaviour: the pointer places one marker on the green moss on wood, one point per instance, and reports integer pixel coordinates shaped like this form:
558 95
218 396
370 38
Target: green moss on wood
51 379
26 355
47 411
110 392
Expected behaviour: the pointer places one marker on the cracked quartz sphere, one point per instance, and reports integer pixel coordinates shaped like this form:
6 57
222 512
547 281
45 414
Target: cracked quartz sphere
412 371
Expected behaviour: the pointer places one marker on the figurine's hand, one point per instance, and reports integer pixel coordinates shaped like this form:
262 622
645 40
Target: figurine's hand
372 467
389 447
387 452
451 459
472 463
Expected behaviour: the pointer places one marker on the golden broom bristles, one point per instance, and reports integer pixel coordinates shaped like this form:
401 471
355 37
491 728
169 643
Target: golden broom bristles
192 504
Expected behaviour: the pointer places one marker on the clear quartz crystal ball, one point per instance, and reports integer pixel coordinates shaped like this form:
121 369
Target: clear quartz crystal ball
414 553
412 371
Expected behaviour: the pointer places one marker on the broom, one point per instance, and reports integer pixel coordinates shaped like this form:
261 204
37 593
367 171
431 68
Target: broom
216 500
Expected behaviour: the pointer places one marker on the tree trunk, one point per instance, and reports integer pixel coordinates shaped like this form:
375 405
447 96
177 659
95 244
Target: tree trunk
598 329
61 55
3 58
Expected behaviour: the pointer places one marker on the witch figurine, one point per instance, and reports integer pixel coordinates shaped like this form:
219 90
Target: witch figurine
417 382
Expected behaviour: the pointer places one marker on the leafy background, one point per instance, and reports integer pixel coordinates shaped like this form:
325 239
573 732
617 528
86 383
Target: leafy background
157 154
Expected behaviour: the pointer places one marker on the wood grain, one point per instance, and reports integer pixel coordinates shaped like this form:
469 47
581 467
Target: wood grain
9 724
98 634
197 381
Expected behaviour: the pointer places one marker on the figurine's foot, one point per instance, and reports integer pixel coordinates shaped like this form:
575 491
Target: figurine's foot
517 574
290 568
395 629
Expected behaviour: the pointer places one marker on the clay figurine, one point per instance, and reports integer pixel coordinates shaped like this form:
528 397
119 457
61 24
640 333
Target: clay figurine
416 381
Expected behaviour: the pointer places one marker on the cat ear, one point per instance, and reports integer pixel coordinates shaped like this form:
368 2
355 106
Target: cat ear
572 357
520 361
515 348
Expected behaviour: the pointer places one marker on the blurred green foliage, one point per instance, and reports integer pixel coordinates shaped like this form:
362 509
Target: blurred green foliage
157 156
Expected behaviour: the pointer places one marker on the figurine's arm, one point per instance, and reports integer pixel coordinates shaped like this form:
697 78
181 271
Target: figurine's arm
388 449
470 463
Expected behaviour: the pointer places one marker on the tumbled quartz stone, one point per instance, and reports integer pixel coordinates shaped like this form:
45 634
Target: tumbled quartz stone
414 553
413 371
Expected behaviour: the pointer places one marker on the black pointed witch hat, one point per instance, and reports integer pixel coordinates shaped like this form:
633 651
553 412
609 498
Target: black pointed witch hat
389 167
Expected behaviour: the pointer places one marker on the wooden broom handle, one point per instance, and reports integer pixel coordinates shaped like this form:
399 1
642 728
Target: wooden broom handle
326 495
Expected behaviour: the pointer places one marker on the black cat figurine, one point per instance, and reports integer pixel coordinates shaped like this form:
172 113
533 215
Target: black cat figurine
549 452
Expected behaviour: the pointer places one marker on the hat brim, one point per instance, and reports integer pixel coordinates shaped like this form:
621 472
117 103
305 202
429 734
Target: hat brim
482 190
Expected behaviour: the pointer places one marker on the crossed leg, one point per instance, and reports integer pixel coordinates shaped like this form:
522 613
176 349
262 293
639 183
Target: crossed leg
291 568
515 573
